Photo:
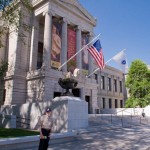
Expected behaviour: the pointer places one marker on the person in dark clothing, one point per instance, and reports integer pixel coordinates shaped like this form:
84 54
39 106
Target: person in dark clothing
143 113
46 123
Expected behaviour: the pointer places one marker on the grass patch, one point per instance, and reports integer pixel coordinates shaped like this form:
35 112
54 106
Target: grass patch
9 133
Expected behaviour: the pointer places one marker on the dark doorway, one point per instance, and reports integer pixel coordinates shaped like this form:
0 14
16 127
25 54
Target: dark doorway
116 103
87 99
4 95
57 94
40 55
110 103
121 103
76 92
103 102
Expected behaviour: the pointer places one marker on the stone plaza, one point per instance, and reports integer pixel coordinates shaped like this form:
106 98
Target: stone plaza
102 134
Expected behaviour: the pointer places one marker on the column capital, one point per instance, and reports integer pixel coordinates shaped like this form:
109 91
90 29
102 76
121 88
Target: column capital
79 28
49 12
65 20
91 33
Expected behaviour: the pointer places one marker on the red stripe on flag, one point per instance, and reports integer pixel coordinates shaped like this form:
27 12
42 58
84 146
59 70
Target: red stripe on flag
98 56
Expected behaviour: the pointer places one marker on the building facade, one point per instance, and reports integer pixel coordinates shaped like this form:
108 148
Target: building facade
60 28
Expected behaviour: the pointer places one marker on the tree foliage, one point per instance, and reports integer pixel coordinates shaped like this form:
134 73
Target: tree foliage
138 84
3 69
11 14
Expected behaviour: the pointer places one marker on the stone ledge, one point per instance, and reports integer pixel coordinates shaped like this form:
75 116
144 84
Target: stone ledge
31 141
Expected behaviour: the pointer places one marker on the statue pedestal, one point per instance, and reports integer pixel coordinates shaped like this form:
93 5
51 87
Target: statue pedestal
71 113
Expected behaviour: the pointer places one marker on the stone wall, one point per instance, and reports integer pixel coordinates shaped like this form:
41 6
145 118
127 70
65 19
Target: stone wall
127 111
69 113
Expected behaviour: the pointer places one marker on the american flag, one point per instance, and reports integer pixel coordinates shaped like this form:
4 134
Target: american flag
96 51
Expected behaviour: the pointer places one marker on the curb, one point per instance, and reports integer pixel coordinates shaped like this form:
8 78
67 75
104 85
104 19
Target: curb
33 141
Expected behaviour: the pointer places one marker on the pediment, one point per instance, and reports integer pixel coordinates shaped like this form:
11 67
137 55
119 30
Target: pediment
76 8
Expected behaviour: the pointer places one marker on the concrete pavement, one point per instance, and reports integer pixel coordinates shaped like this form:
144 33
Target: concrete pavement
137 138
107 133
108 138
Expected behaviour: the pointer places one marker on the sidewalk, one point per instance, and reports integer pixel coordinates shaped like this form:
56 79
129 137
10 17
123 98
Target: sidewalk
107 138
116 139
26 142
105 133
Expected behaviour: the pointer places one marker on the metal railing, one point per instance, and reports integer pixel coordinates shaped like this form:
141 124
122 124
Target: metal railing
14 121
22 122
128 120
122 118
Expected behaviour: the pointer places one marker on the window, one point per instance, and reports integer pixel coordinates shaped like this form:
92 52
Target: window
56 94
102 82
120 86
115 85
96 77
121 103
116 103
110 103
109 84
103 102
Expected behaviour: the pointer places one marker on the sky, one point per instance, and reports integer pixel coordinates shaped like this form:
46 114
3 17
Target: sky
123 24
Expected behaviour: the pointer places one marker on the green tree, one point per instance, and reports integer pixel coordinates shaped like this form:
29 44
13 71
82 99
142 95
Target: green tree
12 15
3 69
138 84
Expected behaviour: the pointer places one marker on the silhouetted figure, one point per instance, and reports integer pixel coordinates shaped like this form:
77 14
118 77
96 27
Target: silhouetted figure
143 113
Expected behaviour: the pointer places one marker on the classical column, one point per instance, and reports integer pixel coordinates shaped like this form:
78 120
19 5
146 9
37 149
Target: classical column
78 47
64 44
113 84
82 94
79 57
90 59
47 39
118 85
99 81
106 82
34 44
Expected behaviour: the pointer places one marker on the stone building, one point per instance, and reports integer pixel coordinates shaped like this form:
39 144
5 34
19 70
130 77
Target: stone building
60 28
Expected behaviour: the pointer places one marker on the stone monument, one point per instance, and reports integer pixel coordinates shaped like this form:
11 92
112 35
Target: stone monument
72 112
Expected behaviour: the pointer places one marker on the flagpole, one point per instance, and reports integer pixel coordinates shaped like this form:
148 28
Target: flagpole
98 68
78 52
105 64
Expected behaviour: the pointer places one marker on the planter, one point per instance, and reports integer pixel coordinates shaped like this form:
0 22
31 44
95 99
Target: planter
67 83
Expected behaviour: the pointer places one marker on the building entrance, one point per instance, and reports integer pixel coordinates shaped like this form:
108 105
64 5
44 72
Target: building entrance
87 99
57 94
76 92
